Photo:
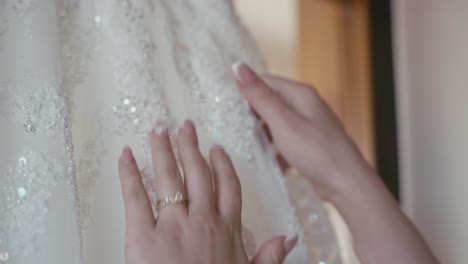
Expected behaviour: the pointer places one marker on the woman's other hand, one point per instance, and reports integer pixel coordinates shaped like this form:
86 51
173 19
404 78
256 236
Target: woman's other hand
204 228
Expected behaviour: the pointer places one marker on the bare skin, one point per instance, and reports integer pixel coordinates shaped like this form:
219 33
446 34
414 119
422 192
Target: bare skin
308 137
205 230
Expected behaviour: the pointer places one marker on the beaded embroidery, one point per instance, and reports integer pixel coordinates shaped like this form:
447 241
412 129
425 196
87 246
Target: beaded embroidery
140 107
24 199
202 52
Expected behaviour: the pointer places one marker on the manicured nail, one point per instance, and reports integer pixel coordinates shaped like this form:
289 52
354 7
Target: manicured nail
189 127
290 242
217 147
235 68
243 73
160 131
127 155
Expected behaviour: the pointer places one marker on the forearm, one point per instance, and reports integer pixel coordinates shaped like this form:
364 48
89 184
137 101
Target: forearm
381 232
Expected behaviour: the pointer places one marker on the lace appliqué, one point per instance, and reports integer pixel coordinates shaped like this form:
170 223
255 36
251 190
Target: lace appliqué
44 110
79 37
140 107
41 110
87 171
23 202
224 115
314 219
135 112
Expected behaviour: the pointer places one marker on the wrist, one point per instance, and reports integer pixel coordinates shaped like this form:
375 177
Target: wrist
354 182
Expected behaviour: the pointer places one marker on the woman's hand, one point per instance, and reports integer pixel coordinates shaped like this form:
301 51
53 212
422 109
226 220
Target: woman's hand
305 131
206 228
309 136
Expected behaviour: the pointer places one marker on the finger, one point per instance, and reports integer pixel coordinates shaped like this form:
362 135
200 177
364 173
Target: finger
264 101
197 174
300 97
227 185
275 250
167 177
138 211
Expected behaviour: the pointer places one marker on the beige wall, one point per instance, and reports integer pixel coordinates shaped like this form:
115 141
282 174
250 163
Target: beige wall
431 48
274 26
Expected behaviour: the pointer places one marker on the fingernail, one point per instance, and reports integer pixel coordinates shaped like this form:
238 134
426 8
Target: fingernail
217 147
290 242
127 155
235 68
159 131
243 73
189 127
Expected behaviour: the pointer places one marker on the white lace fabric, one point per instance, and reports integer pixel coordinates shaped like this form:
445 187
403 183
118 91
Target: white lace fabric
80 79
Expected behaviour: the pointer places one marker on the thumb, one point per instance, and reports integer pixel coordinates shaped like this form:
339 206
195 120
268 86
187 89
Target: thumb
275 250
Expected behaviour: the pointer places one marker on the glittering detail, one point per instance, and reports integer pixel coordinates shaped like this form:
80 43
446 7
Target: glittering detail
313 218
45 111
40 111
224 115
202 53
23 201
89 158
140 107
97 20
134 114
77 42
4 256
29 126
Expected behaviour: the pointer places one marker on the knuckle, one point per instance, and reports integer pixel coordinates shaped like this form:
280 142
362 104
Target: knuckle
209 230
134 241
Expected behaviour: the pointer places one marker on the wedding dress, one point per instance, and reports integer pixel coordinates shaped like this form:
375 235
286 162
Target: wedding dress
79 79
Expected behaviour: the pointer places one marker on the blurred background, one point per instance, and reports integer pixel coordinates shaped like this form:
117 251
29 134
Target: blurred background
396 73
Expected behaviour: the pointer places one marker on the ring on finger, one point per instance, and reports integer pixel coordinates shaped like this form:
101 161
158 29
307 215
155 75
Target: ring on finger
176 199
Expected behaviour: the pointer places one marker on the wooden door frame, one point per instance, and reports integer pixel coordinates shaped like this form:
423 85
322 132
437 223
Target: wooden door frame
355 46
383 83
